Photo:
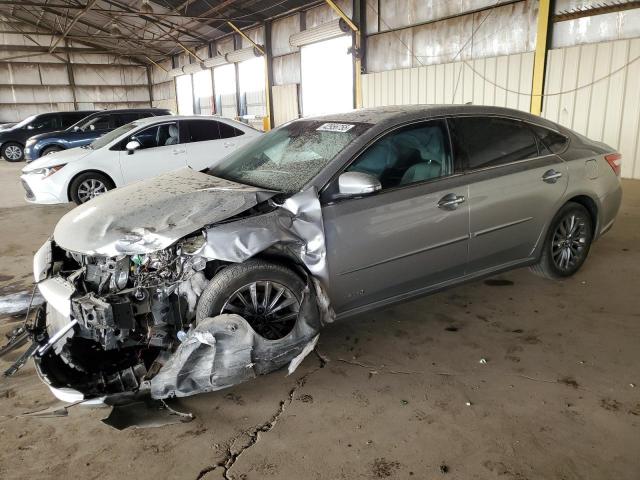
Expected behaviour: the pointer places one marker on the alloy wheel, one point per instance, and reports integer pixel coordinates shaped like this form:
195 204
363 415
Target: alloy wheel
569 244
89 189
270 308
13 152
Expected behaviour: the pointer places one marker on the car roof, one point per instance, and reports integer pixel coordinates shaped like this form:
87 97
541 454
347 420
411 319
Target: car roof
402 113
162 118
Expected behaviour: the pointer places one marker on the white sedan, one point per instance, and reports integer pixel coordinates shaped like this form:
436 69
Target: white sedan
138 150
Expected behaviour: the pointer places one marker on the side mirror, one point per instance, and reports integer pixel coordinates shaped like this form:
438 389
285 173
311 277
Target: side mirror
76 128
358 183
132 146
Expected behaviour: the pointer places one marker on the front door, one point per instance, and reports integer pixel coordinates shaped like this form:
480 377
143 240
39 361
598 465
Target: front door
408 237
161 150
515 187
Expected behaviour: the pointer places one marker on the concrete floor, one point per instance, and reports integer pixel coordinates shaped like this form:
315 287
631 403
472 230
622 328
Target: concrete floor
403 393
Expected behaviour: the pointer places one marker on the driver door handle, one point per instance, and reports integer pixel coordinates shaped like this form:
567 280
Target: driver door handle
451 201
551 176
228 144
178 151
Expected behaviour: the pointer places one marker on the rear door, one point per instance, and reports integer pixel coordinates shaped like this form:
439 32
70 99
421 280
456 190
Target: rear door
209 141
161 150
408 237
515 187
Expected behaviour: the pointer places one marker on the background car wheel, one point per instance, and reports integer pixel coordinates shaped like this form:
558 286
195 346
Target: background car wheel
50 150
12 152
567 243
265 294
89 185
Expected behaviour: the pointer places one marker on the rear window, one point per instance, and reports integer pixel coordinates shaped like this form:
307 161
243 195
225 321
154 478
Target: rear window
553 141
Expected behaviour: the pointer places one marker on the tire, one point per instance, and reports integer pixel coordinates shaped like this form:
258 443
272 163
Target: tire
89 185
220 296
50 150
12 152
574 240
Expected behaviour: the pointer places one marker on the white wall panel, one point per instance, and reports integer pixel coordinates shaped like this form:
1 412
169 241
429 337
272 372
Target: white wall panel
285 103
594 90
502 81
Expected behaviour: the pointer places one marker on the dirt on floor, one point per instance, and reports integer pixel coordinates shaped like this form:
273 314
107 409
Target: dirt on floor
515 377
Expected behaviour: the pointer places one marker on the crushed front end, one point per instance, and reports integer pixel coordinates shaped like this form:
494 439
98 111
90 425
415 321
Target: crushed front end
120 316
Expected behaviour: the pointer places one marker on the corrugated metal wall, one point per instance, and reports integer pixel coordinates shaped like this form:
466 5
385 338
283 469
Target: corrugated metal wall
592 89
39 82
602 95
285 103
483 81
163 87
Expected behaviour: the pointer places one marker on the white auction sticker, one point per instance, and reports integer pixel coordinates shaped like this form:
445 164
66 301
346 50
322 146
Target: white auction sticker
335 127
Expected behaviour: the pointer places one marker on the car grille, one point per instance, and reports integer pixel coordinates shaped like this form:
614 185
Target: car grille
30 195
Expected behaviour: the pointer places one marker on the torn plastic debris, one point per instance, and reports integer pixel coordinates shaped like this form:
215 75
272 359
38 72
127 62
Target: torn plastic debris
223 351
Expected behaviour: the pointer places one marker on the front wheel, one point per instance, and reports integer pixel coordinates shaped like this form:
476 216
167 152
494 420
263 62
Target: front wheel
267 295
567 244
12 152
50 150
89 185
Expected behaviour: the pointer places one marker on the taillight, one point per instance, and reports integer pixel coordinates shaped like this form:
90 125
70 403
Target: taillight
615 161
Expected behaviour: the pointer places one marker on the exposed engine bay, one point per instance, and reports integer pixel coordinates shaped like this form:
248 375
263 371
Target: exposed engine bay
124 319
128 309
133 313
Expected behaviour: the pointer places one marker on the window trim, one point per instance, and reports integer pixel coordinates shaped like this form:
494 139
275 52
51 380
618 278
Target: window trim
358 154
218 121
116 146
467 171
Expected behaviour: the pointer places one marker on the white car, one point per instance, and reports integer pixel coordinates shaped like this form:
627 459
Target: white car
141 149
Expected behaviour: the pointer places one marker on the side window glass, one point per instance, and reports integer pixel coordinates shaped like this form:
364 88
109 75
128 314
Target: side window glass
227 131
203 130
98 123
157 136
553 141
412 154
124 118
48 122
491 141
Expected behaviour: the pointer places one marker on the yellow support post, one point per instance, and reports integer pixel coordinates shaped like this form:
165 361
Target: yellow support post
540 58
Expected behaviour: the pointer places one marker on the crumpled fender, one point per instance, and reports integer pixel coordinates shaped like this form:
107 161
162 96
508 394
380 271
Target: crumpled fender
224 351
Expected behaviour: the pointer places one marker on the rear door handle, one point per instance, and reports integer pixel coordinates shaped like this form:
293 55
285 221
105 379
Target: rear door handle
228 144
178 152
551 176
450 201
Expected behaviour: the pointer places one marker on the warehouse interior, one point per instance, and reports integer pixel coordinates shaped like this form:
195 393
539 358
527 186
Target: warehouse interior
513 376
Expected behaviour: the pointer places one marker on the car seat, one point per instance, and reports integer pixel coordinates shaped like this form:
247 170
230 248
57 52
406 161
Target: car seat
173 135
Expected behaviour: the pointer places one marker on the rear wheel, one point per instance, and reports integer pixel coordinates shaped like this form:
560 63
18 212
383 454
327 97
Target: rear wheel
50 150
12 152
268 296
89 185
567 244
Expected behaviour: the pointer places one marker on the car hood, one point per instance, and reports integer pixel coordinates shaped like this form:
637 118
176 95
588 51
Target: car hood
150 215
58 158
42 136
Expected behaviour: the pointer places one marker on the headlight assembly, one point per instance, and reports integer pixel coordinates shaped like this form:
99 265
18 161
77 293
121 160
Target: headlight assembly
47 171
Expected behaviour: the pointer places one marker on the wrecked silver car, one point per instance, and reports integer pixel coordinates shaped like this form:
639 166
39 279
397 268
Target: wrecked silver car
195 281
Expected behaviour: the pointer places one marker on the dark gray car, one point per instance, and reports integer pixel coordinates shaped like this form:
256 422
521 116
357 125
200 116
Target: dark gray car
194 281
